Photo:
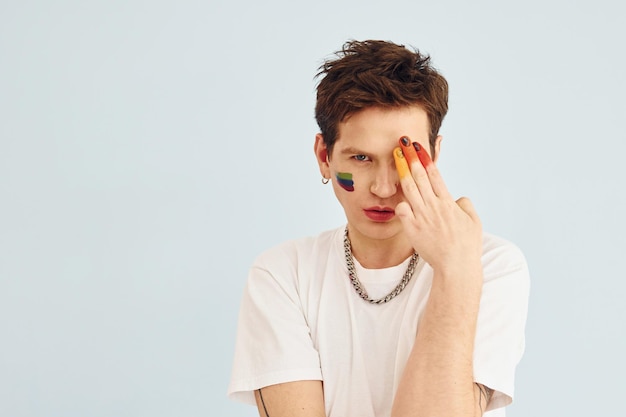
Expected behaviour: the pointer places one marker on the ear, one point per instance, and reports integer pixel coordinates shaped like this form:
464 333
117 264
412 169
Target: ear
437 148
321 153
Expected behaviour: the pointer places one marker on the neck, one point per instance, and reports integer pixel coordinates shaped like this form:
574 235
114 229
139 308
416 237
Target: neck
379 253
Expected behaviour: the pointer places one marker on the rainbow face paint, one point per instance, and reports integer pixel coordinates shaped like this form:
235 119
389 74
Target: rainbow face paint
344 179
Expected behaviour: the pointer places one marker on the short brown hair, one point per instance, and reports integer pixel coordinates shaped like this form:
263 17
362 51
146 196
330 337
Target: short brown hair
375 73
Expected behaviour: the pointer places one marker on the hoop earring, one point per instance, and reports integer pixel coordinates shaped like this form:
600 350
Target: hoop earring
325 180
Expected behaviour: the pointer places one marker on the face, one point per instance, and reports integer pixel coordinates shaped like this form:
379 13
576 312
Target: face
362 169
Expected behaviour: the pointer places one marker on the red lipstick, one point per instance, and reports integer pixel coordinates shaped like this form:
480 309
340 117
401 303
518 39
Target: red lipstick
379 214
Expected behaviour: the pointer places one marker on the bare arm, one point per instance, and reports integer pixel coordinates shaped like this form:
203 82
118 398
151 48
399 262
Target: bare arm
306 399
484 396
291 399
438 377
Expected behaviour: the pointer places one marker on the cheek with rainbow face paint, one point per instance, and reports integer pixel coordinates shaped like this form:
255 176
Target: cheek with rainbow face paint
344 179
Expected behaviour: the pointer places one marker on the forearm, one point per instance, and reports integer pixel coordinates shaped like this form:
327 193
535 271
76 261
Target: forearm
291 399
438 377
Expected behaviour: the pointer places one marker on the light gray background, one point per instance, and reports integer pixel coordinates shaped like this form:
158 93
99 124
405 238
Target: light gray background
150 150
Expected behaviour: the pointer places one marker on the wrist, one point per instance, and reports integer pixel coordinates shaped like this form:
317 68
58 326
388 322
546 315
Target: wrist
466 269
465 279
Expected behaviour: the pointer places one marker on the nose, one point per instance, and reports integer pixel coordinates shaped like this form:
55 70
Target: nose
386 182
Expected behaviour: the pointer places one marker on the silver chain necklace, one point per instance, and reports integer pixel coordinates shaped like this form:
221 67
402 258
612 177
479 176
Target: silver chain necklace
359 287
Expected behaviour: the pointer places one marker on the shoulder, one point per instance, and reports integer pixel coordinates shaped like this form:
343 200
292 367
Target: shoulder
289 268
293 253
501 257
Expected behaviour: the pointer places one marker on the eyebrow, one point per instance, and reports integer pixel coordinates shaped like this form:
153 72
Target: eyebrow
352 151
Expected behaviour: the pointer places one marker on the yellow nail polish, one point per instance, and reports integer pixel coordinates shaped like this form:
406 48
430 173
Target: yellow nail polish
401 165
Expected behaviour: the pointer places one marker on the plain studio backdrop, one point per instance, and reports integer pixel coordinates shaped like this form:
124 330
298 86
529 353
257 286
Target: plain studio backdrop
150 150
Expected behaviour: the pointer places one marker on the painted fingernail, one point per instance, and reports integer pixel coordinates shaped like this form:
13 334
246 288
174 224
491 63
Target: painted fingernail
409 153
422 155
401 164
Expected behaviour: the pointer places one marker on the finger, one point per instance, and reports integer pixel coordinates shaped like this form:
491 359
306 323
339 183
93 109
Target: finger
418 172
407 218
409 151
409 187
466 205
434 176
422 155
402 165
404 212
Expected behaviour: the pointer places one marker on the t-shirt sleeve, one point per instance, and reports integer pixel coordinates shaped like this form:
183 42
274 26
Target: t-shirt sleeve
273 342
500 340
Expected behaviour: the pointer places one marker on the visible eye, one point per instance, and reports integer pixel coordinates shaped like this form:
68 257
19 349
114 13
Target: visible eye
361 158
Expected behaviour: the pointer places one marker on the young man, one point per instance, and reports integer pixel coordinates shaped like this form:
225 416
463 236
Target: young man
409 309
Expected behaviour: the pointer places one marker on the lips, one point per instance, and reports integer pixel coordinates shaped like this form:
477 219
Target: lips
379 214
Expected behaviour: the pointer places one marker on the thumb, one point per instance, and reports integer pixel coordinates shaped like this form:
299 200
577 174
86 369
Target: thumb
467 206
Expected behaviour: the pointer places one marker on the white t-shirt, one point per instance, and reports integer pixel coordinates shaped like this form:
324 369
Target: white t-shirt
301 319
